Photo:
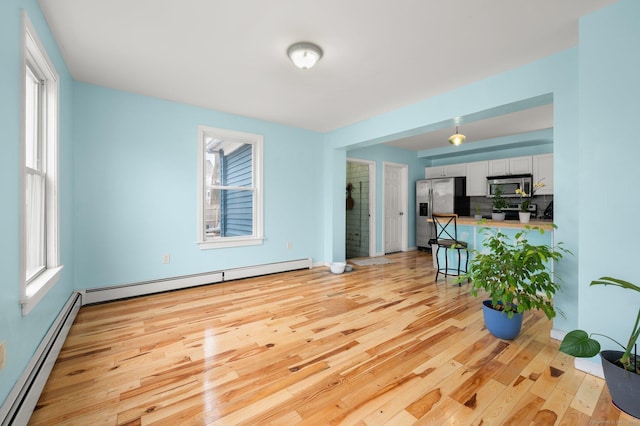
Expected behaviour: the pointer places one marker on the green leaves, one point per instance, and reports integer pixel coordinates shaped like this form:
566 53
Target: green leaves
578 343
514 271
615 282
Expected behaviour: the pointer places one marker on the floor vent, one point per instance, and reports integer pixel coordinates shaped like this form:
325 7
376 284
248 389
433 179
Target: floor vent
23 398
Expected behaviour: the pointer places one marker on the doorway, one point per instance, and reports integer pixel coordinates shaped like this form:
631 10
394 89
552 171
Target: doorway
395 207
360 201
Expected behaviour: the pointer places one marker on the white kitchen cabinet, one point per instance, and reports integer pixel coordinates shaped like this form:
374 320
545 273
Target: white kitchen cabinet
477 178
499 167
543 171
450 170
510 166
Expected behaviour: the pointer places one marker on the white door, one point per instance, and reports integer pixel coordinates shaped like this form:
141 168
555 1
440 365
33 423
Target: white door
395 207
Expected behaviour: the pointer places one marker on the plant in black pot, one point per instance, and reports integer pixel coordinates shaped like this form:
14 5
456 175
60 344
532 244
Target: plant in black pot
517 277
621 368
499 203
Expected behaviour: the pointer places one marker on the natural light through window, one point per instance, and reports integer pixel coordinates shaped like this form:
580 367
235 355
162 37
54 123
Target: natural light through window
230 194
40 258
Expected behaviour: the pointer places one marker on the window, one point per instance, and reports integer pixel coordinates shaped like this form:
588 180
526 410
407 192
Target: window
230 193
40 258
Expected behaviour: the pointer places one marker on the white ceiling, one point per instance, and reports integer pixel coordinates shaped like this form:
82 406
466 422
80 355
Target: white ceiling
379 55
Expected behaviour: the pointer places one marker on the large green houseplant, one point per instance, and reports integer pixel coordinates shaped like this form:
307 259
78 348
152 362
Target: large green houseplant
621 368
515 273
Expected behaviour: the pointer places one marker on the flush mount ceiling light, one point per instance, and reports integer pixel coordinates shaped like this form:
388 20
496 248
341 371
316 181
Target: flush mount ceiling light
304 55
457 139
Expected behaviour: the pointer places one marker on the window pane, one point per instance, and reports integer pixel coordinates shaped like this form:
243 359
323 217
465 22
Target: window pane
228 213
35 224
228 163
212 213
237 213
32 121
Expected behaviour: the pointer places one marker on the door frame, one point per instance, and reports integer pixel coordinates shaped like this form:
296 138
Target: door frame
372 202
404 187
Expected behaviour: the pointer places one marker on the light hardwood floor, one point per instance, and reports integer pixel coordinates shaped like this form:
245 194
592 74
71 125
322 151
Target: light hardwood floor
383 344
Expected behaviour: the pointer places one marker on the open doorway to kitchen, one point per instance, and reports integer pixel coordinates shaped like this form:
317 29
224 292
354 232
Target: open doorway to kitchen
360 237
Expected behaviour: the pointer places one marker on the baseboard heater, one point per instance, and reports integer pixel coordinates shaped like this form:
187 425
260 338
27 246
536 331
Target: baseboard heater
106 294
21 401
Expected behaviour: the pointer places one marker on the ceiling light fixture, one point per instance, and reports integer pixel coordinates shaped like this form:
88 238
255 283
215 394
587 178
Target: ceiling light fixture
304 55
457 139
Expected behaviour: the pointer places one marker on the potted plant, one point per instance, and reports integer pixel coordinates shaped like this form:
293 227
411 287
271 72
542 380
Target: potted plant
621 368
499 203
478 215
516 275
525 201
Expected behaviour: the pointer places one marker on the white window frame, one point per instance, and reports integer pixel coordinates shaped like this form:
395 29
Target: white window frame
258 213
34 55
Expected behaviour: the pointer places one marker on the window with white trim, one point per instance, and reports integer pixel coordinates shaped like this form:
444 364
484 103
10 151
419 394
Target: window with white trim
230 188
40 247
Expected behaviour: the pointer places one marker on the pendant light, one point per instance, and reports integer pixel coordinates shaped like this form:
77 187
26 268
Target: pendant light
457 139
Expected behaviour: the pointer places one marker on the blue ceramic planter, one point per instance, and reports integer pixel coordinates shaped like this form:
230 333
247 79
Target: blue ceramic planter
499 324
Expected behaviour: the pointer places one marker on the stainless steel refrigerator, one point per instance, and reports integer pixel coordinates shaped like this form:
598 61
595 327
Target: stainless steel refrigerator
440 195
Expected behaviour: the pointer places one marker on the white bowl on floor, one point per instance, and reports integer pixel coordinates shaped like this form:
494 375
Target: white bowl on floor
338 267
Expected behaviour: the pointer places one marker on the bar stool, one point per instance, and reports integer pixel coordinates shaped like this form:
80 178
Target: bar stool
442 224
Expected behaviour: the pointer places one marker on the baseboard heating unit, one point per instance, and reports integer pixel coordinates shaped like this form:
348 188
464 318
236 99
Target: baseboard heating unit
106 294
23 398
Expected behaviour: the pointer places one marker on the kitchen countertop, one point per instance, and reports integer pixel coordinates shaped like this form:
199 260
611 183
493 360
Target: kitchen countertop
546 224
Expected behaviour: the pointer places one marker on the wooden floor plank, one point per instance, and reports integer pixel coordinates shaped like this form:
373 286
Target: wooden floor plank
384 344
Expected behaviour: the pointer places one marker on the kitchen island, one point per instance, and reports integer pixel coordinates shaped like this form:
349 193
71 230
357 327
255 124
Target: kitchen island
473 232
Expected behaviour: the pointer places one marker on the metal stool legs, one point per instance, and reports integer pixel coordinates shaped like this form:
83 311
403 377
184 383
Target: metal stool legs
446 269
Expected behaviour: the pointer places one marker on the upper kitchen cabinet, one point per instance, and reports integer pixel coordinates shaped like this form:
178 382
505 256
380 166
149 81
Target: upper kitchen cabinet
452 170
510 166
543 171
477 178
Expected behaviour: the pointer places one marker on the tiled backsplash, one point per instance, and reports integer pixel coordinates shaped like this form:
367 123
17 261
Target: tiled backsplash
485 204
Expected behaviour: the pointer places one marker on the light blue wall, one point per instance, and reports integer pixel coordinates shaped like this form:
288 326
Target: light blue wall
136 189
609 106
380 154
23 334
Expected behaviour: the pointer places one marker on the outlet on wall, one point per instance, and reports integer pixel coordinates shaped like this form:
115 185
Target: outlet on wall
166 258
289 245
3 354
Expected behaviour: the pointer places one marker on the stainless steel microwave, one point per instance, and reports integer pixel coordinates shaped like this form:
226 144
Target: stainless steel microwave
509 184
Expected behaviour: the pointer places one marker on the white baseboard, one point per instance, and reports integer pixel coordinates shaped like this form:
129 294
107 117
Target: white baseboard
266 269
557 334
19 405
106 294
589 366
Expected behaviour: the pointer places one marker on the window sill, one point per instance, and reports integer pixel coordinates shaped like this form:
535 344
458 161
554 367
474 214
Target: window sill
39 287
230 242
